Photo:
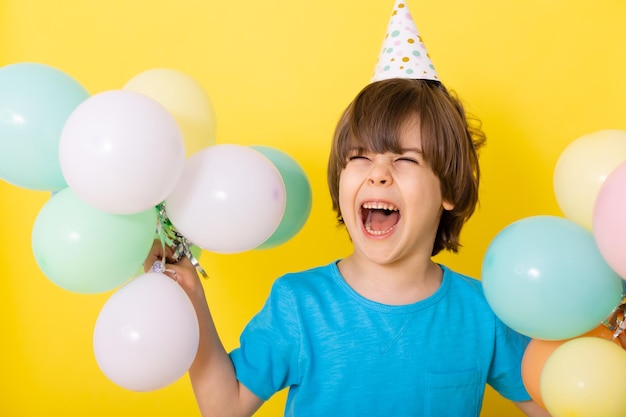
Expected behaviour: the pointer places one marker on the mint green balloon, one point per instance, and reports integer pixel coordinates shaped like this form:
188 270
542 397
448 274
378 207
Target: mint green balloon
85 250
544 277
298 192
35 102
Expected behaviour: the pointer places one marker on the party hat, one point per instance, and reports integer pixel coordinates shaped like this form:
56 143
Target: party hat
403 54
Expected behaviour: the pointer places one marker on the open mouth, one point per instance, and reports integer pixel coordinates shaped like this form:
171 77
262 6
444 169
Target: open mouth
379 218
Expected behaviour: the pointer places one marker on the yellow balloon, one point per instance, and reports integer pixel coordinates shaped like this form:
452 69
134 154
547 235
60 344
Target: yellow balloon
582 168
583 378
185 99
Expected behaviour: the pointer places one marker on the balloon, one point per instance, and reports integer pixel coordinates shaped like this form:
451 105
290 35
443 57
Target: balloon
602 332
544 277
35 102
230 199
121 152
298 194
582 168
185 99
609 222
537 353
85 250
146 335
583 377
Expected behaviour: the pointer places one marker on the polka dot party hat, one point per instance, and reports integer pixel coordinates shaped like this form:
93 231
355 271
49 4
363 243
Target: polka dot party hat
403 54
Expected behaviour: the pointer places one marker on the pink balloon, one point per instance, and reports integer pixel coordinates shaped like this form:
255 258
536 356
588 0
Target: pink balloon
609 220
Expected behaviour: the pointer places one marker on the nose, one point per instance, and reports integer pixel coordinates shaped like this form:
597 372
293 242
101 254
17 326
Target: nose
379 175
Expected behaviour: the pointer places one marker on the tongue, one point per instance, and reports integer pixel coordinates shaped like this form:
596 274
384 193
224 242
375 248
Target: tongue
382 219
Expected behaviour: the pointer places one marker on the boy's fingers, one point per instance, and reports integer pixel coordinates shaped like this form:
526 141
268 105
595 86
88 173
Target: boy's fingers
156 254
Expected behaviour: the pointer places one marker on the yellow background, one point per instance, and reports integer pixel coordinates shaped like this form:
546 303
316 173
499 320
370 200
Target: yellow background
539 73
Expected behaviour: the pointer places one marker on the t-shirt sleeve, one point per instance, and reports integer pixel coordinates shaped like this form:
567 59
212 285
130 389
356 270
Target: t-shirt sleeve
267 359
505 375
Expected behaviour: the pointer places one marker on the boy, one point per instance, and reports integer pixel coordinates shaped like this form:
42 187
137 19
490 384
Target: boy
385 331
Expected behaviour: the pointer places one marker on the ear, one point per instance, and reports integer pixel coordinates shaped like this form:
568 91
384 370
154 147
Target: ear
447 206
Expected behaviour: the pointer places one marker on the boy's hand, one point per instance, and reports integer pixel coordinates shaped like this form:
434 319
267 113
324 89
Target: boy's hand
182 271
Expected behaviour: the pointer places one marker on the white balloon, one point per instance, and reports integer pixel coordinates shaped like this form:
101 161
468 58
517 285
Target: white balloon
229 199
146 335
121 152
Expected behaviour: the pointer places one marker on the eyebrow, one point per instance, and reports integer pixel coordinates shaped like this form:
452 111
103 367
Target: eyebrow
402 150
417 150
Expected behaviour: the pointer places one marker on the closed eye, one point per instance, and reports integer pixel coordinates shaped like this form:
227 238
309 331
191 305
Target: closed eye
357 157
406 159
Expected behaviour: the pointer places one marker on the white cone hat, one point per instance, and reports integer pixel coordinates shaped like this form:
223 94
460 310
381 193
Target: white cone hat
403 54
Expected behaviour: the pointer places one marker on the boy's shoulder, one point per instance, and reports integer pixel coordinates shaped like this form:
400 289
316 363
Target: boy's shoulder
312 276
316 271
461 279
464 285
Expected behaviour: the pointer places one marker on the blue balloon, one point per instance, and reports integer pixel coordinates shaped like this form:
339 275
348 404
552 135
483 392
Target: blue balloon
35 102
544 277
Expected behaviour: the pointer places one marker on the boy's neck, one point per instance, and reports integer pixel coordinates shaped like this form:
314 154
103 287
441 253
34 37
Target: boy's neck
392 284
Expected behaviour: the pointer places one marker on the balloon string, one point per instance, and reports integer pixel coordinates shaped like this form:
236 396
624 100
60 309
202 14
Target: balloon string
171 237
616 322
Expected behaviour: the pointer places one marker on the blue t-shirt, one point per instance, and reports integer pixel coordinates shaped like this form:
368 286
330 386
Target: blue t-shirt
341 354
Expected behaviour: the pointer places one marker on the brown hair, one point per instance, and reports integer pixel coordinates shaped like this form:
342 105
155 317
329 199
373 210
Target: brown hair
372 122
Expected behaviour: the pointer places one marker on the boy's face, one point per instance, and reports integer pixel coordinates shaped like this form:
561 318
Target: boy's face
391 203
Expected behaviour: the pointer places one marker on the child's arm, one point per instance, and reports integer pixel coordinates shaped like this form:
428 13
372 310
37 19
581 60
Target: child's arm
216 388
532 409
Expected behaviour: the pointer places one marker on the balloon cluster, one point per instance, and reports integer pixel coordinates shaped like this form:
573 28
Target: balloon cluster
127 166
560 280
